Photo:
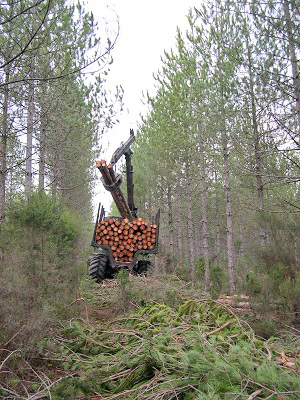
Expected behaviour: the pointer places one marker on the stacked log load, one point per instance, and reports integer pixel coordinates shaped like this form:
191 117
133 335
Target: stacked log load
125 237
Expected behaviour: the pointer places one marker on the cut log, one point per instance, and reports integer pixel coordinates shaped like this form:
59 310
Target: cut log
126 238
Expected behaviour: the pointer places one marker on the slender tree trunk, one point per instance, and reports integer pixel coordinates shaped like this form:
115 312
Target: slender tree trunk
185 251
296 250
55 171
293 57
179 223
11 186
200 246
260 187
257 150
218 233
3 150
191 248
218 247
197 238
229 223
30 118
150 216
156 271
162 230
170 221
241 227
4 122
43 125
44 112
204 215
30 115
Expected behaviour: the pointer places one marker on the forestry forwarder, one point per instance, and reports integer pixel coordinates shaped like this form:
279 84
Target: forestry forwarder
120 240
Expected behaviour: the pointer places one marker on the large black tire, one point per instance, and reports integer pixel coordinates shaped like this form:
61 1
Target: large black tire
99 267
142 267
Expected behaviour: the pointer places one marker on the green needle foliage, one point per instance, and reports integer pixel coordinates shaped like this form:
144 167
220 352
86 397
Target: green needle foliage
195 351
39 268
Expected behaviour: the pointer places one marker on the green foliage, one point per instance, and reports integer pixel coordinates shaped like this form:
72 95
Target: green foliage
183 272
137 292
264 327
40 275
253 284
212 96
200 267
42 212
197 349
70 114
289 290
87 290
219 281
273 280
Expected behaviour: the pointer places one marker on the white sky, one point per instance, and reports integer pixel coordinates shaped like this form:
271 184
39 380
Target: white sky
147 28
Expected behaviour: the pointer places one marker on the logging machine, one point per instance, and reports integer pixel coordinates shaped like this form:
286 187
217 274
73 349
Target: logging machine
125 241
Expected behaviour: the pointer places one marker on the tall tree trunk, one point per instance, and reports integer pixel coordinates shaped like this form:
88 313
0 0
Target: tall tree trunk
179 224
204 214
4 122
191 248
30 118
162 230
3 150
257 150
197 238
30 113
199 246
296 250
150 214
218 227
170 220
218 233
241 227
55 171
293 57
229 223
42 152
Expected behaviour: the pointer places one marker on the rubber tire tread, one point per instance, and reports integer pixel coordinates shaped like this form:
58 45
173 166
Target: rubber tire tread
98 267
143 267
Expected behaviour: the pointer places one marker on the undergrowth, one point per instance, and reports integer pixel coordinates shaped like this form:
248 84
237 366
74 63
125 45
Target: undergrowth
40 270
197 350
149 338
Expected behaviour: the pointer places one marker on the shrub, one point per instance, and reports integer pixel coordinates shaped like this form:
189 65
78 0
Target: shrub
39 275
219 280
273 282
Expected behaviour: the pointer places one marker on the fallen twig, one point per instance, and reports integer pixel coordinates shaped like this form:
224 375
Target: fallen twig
10 354
269 351
254 394
12 338
218 329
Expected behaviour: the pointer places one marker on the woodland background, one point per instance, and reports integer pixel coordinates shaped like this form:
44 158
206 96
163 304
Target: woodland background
54 110
217 152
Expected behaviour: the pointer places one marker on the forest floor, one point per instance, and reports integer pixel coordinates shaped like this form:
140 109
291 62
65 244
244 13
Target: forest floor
149 338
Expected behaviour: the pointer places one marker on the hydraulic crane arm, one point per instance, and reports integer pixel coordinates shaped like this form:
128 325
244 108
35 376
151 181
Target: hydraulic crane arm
124 149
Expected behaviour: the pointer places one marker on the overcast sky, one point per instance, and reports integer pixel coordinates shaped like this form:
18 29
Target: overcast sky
147 28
